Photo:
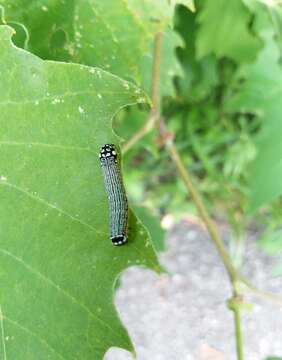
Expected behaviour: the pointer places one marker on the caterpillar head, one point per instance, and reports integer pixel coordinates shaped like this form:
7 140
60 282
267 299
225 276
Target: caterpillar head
108 151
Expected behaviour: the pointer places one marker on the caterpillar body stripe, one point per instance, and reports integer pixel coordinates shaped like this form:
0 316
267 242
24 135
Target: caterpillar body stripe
118 206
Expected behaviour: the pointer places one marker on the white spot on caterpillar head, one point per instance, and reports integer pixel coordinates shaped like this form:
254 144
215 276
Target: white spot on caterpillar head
44 8
99 96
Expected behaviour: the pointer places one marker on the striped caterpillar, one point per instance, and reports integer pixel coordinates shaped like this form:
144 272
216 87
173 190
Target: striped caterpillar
118 206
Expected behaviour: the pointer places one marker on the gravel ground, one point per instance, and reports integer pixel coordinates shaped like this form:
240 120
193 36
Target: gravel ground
184 316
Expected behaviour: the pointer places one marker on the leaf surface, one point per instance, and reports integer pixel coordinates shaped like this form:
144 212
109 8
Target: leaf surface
58 266
229 35
111 34
261 94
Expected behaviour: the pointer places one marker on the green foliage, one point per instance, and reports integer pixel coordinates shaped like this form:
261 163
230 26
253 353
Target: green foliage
58 266
115 35
229 35
88 32
271 241
261 94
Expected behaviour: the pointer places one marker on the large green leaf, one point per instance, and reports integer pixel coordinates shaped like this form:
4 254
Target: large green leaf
98 33
57 264
156 14
200 76
111 34
261 93
224 31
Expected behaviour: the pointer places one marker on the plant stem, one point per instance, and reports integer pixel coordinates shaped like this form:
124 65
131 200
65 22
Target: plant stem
149 125
185 175
260 293
238 334
156 76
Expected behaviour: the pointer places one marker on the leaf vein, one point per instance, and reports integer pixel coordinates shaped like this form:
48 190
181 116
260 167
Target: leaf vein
57 146
56 286
34 335
52 206
3 333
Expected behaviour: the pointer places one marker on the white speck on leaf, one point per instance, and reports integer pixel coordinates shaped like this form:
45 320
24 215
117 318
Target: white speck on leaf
126 85
55 101
99 96
44 8
141 100
3 178
36 102
81 110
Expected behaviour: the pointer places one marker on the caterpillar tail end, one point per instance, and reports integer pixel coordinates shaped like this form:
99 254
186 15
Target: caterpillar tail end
119 240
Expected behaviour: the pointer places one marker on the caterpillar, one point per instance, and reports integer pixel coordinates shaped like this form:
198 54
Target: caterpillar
118 206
